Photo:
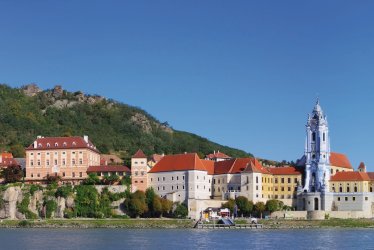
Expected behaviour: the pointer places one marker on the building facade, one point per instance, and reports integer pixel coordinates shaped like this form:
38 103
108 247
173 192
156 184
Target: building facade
66 157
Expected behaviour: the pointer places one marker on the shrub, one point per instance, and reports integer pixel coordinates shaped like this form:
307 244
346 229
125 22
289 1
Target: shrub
64 191
12 173
230 204
69 213
92 179
110 179
51 206
34 188
23 207
259 208
181 211
245 206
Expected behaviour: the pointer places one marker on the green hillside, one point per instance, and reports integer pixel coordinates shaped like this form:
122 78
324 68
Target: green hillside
112 126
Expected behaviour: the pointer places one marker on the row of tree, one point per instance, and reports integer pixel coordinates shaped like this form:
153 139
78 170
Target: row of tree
149 204
247 208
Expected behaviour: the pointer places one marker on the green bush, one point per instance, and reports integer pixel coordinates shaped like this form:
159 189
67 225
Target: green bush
51 206
23 207
64 191
181 211
69 213
34 188
92 179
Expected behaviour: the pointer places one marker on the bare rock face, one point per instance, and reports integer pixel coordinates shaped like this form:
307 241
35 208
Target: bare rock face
69 203
60 207
36 202
10 198
142 121
118 207
57 91
31 89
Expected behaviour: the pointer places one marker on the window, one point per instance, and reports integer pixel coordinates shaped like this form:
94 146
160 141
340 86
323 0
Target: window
282 180
183 177
289 188
38 174
163 187
256 179
31 162
80 174
163 178
73 161
366 198
324 137
142 173
63 162
338 198
47 162
314 136
177 178
56 144
256 187
340 189
353 198
348 189
63 174
32 175
73 174
355 189
48 145
158 188
136 173
38 162
289 180
295 180
282 188
172 178
346 198
276 180
80 161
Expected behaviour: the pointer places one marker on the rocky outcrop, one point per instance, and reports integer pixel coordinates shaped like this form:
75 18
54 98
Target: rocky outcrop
36 202
70 202
10 198
31 89
61 205
142 121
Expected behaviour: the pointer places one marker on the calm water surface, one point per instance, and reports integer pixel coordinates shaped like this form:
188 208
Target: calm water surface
90 239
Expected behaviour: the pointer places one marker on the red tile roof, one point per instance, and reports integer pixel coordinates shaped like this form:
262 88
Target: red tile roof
218 155
350 176
94 169
339 160
73 142
139 154
284 171
371 175
235 166
179 162
209 166
6 155
8 162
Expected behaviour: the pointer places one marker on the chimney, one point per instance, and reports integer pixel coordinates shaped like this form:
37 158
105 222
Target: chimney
39 136
85 137
35 144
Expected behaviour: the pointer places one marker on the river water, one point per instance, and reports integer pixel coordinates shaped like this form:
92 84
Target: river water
91 239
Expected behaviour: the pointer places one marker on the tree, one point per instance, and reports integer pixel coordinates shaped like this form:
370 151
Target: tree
18 151
272 206
156 206
259 208
12 173
53 179
245 206
166 206
181 211
136 205
150 196
230 204
92 179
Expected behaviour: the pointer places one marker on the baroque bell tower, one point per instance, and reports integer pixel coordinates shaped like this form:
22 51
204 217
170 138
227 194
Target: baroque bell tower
317 152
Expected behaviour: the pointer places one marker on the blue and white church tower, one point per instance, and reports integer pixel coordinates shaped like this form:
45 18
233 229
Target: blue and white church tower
317 152
314 196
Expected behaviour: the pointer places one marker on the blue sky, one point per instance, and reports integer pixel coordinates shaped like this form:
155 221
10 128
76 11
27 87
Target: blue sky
241 73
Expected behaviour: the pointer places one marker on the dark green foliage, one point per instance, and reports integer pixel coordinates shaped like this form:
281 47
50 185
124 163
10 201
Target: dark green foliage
181 211
12 174
34 188
50 207
126 180
109 125
64 191
53 179
245 206
87 201
23 207
259 208
92 179
150 195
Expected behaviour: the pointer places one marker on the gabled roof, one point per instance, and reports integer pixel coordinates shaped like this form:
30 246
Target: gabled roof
350 176
339 160
218 155
179 162
139 154
6 155
285 171
93 169
371 175
72 142
209 166
236 166
156 157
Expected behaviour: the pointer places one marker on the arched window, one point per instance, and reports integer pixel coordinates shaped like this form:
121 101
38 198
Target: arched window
314 136
324 137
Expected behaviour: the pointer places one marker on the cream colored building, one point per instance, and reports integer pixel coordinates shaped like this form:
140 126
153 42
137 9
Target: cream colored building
67 157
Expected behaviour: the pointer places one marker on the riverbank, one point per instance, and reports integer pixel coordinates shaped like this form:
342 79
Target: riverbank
330 223
98 223
180 223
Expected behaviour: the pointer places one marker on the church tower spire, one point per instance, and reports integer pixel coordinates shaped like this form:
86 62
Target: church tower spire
317 151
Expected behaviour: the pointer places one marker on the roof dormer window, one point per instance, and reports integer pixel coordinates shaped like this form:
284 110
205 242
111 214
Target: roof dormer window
56 144
39 145
64 144
48 145
74 143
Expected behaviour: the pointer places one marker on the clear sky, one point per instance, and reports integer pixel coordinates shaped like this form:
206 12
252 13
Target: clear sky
241 73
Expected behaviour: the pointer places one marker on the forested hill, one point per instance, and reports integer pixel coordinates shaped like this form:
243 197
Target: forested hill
112 126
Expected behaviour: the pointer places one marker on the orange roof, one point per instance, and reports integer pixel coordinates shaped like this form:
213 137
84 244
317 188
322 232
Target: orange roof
72 142
284 171
179 162
217 155
209 165
6 155
339 160
92 169
371 175
8 162
139 154
350 176
235 166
